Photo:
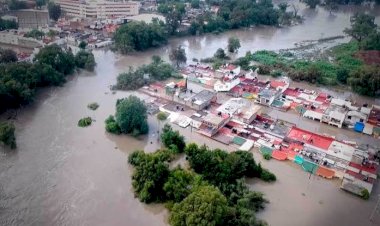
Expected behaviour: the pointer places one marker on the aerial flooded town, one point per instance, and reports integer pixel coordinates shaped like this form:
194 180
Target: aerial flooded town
190 112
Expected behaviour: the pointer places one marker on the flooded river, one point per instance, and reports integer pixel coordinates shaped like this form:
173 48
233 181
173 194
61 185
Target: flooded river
65 175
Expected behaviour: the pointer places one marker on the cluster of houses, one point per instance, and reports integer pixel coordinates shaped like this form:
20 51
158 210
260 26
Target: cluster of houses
238 120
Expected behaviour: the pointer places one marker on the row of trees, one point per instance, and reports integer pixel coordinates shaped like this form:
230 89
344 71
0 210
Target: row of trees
235 14
211 192
134 79
130 117
20 80
139 36
333 4
7 24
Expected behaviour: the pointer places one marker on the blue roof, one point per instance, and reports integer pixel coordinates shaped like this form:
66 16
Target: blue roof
359 126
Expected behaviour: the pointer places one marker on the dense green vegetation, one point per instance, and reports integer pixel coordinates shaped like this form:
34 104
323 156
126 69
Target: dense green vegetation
138 36
235 14
172 139
35 33
7 24
84 122
20 80
178 56
7 56
16 4
7 134
85 60
211 192
130 117
158 70
233 44
162 116
112 126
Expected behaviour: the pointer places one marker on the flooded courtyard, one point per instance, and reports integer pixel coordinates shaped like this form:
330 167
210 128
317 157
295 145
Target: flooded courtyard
62 174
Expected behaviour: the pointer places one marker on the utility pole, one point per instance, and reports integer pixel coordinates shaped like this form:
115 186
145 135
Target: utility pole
375 209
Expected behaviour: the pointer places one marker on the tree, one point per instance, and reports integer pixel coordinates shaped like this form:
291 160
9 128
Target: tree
312 3
131 116
139 36
16 5
180 184
151 173
170 137
37 34
82 45
366 80
7 134
195 4
174 14
220 54
85 59
112 126
54 11
372 42
362 25
331 5
233 44
7 24
283 6
7 56
205 206
178 55
161 116
61 60
40 3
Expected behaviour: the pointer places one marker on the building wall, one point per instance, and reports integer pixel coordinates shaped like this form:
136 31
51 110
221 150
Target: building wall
32 18
99 9
13 39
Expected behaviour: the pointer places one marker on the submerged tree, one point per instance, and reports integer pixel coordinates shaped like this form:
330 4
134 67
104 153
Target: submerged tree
178 56
7 134
362 25
131 116
233 44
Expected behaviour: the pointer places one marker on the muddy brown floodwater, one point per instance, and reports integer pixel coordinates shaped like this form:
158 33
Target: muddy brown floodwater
65 175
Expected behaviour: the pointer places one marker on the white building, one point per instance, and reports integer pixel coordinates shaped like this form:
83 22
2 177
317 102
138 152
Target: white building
99 8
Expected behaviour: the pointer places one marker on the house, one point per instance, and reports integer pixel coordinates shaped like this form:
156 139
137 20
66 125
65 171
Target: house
225 86
353 117
211 123
334 115
240 109
267 96
202 100
361 173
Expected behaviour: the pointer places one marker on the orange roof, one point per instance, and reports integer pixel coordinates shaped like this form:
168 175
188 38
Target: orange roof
314 139
279 155
276 83
181 83
325 172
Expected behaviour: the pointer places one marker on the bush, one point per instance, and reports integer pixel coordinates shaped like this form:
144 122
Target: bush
84 122
162 116
7 134
112 126
267 156
93 106
264 70
365 194
267 176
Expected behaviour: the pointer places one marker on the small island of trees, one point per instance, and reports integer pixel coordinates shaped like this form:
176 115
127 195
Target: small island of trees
130 117
211 191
